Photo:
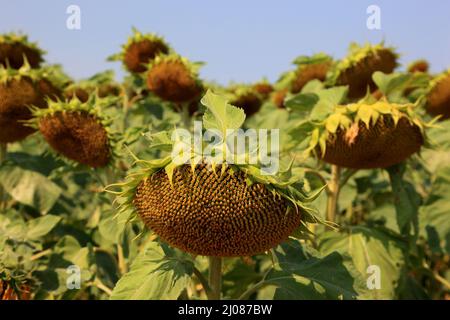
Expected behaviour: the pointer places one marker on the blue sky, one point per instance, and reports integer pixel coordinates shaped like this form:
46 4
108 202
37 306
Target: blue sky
239 40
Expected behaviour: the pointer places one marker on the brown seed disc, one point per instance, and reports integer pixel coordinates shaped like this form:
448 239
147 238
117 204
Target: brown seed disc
278 98
381 146
172 81
210 214
309 72
438 100
14 52
15 98
264 89
359 76
81 94
249 102
419 66
138 54
78 136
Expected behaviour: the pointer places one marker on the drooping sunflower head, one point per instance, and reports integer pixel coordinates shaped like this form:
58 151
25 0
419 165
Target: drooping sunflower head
245 97
418 66
15 47
264 88
77 130
368 134
279 97
356 69
310 68
20 89
140 50
438 96
206 206
175 79
103 82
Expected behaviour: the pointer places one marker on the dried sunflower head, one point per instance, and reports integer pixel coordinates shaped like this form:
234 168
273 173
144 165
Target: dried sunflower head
357 68
438 96
175 79
20 89
362 135
315 67
214 208
140 50
79 131
15 47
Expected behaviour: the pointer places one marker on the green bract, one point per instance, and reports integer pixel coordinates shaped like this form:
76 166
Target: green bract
13 37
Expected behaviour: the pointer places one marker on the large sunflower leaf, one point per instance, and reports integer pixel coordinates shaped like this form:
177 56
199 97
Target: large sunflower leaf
220 115
157 273
369 247
301 273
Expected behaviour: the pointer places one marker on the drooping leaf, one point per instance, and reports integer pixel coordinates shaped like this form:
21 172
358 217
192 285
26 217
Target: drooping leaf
39 227
302 104
29 187
406 200
434 217
366 247
157 273
301 273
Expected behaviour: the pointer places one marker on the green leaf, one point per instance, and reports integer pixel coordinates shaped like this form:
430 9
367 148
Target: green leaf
220 115
388 83
365 247
301 273
157 273
406 199
69 249
39 227
434 218
328 100
302 104
29 187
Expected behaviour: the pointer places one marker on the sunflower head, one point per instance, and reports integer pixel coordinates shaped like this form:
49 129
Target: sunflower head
140 49
362 135
20 89
419 66
79 131
357 68
104 83
175 79
207 206
310 68
438 96
15 48
245 97
264 88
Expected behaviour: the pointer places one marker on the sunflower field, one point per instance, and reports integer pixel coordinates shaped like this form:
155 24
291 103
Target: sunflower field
93 205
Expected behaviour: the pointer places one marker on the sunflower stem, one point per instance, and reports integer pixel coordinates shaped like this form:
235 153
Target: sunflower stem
334 189
215 277
3 152
185 116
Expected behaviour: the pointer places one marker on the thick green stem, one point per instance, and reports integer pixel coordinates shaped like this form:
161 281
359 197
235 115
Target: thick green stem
333 195
215 277
3 152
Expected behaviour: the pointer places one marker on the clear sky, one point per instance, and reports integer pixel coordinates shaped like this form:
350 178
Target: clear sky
239 40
